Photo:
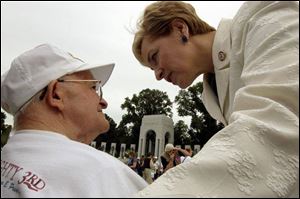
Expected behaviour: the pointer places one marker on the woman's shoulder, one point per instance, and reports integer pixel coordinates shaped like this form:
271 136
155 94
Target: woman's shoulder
257 8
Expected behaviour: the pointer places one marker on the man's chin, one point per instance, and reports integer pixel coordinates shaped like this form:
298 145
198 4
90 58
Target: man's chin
105 128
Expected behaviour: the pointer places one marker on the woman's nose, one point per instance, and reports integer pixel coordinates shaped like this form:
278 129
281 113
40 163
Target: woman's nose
159 74
103 103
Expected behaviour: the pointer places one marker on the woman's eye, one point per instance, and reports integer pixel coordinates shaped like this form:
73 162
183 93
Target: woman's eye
154 58
94 87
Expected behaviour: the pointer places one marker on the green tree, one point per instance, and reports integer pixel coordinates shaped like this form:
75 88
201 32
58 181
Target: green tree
181 135
5 130
3 117
147 102
202 126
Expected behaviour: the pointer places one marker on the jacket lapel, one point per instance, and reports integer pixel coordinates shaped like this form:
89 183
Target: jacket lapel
217 104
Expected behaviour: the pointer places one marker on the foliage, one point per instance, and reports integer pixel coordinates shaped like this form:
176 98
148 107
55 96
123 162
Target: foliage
181 137
5 130
147 102
202 126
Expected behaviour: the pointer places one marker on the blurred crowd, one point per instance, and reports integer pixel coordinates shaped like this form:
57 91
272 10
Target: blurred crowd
150 167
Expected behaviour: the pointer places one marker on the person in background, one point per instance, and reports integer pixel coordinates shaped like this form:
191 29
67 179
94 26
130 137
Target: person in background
141 165
133 161
170 157
147 167
250 67
156 168
57 103
174 156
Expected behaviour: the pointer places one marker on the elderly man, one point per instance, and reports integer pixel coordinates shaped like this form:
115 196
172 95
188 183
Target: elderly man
56 100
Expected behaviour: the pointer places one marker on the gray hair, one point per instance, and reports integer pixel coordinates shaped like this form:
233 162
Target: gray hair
24 108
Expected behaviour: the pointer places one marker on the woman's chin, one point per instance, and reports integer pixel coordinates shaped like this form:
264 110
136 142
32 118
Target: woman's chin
184 85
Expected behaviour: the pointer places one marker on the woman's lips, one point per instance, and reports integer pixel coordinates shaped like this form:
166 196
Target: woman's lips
169 78
173 79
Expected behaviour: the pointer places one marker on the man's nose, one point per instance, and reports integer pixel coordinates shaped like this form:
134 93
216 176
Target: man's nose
103 103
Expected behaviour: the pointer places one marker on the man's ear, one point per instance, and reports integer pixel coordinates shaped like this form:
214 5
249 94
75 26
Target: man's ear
180 26
54 96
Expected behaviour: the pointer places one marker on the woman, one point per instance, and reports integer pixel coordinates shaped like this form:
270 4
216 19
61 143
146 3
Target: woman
251 84
169 158
174 156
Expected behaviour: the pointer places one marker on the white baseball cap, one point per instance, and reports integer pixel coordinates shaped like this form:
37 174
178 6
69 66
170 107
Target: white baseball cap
35 69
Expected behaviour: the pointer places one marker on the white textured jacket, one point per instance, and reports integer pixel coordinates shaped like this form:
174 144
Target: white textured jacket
255 93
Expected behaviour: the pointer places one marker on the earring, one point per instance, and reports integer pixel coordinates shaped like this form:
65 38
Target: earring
184 39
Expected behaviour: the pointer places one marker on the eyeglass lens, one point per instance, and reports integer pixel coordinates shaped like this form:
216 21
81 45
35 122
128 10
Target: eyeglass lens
99 90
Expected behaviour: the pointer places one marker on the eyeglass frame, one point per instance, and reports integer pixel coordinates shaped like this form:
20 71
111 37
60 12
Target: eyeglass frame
98 88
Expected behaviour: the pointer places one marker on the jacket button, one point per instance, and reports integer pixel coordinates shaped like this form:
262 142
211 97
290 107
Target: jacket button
221 56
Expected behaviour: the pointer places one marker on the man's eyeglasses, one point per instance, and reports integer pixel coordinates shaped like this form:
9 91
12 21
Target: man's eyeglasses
97 86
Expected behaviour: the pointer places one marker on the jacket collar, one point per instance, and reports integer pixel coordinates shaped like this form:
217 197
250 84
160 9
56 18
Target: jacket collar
216 103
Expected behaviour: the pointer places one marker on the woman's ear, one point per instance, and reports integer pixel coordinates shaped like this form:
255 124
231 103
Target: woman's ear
54 96
178 25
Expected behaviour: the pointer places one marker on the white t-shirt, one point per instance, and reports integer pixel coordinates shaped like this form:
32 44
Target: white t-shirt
47 164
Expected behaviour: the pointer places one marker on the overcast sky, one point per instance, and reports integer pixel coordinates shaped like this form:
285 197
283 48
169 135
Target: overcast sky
97 32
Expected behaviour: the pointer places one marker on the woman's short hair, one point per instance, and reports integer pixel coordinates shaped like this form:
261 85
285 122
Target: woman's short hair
156 22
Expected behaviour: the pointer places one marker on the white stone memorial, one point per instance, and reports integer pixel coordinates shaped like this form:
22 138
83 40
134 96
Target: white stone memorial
156 131
93 144
113 149
196 149
132 147
122 150
103 146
